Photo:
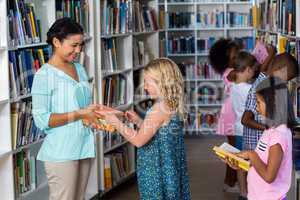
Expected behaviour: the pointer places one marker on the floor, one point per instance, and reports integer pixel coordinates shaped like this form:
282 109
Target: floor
206 173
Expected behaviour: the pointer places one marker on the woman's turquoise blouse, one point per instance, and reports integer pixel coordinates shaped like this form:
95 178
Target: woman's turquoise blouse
53 91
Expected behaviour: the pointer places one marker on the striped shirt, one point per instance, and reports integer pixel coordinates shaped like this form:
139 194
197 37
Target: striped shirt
252 136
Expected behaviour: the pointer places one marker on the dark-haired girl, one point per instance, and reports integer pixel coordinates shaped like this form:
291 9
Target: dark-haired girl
271 162
61 100
222 55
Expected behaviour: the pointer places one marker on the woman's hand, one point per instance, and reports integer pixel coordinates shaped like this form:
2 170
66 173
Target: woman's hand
131 116
89 116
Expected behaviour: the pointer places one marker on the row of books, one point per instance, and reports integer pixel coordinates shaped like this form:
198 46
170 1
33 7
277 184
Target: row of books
114 90
22 66
24 172
141 52
111 139
203 45
109 55
181 44
116 16
116 166
236 19
24 131
181 19
144 18
78 10
191 122
138 82
276 16
246 42
208 94
24 26
205 19
204 93
202 70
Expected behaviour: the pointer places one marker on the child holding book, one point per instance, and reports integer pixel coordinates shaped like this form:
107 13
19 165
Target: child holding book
270 173
222 55
283 66
161 160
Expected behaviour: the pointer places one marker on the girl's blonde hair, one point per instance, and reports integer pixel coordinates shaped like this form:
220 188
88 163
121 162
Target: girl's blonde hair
170 82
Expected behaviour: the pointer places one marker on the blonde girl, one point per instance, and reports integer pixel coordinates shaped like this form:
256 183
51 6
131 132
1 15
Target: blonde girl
161 160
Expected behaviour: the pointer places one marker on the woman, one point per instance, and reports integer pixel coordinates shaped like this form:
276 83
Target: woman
61 100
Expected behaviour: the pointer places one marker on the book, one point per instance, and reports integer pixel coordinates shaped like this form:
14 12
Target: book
226 150
260 52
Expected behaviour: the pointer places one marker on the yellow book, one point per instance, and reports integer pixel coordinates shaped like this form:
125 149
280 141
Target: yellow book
255 16
282 44
226 150
107 173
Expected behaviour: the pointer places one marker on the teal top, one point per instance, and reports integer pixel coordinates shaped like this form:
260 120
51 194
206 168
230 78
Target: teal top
53 91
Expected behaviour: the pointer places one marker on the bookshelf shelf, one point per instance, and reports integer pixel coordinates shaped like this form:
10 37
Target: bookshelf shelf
3 101
123 107
143 33
27 46
124 179
115 147
203 80
27 146
239 28
123 71
180 29
210 105
22 97
179 3
4 154
181 55
211 29
139 67
116 35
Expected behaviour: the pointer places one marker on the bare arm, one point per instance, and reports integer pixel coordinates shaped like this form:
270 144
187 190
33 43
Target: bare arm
148 128
267 171
265 65
249 121
60 119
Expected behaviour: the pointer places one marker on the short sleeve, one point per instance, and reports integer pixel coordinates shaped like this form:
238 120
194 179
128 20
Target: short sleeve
251 100
277 137
41 99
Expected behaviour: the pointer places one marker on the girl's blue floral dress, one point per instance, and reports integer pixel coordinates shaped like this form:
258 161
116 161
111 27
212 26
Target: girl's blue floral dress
161 165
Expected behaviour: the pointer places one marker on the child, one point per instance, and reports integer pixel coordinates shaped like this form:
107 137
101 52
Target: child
283 66
271 162
245 68
161 160
222 55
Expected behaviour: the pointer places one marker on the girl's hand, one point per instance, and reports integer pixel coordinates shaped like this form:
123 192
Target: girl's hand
232 163
111 119
244 154
131 116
